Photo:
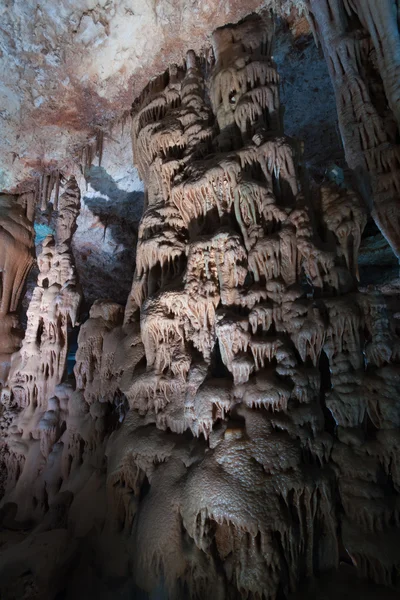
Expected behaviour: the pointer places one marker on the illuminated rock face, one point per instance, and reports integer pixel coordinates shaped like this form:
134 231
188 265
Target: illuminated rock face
238 300
32 416
235 430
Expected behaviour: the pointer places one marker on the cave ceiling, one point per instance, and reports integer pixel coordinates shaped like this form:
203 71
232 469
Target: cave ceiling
72 68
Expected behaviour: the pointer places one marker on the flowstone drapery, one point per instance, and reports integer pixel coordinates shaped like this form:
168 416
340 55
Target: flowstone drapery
16 251
234 433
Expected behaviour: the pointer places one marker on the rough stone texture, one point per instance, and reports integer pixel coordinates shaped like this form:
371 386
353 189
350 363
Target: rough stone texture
70 68
361 43
305 83
233 433
16 251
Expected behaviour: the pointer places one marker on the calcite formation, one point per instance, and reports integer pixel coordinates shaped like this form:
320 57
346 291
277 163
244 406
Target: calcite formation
16 251
233 433
250 323
31 419
361 43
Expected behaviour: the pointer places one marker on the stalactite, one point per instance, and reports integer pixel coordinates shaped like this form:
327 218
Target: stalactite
209 314
194 453
371 152
90 150
57 191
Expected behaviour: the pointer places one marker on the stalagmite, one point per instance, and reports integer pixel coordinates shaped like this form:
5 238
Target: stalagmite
39 366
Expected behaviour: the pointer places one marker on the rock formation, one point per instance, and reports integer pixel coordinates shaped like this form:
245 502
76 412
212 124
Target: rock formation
361 43
234 432
16 245
31 419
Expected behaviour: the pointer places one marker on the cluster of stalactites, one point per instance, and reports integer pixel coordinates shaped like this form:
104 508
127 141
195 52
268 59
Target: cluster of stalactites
369 129
191 263
237 308
361 43
48 187
107 354
40 364
237 300
346 218
171 127
237 533
364 360
244 86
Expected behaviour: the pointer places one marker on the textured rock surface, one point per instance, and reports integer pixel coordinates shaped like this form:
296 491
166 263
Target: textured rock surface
232 431
16 242
304 81
361 42
70 68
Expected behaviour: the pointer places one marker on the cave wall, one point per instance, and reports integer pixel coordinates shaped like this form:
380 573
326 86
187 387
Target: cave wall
361 43
232 431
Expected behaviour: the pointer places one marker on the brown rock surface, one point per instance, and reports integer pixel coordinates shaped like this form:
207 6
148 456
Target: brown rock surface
69 70
232 432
